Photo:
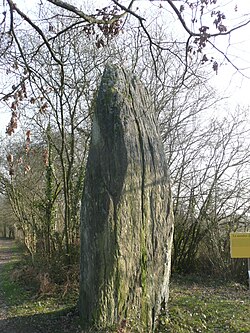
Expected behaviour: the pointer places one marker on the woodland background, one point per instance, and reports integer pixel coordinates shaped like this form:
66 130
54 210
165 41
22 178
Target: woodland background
49 90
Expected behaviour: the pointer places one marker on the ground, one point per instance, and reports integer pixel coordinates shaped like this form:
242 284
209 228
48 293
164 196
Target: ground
207 305
32 319
196 304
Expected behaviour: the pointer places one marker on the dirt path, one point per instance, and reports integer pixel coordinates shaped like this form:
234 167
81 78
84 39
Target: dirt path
38 323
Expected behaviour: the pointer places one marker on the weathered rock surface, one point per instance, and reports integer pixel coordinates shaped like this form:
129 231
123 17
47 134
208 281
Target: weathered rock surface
126 217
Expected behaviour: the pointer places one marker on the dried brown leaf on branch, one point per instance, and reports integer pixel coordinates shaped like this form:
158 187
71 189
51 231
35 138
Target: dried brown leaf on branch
10 159
12 124
215 67
108 30
44 108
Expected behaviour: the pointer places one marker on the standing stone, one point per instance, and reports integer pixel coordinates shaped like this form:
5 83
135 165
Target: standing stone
126 217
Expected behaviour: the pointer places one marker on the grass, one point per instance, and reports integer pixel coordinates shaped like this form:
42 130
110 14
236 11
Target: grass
211 306
13 293
23 300
195 305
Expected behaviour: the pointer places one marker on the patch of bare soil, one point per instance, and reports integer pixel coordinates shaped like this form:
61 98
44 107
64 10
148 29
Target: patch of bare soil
56 322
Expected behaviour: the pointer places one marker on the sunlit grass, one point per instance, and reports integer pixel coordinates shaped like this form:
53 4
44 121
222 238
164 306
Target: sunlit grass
195 304
210 306
22 300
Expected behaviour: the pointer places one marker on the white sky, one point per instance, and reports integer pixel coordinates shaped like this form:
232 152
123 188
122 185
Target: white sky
229 81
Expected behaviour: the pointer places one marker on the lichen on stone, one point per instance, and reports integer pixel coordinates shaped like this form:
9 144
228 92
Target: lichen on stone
126 218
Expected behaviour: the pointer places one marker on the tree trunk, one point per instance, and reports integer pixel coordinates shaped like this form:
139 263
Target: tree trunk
126 216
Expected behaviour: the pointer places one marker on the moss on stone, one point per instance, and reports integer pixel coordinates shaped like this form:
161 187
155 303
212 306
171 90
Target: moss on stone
125 182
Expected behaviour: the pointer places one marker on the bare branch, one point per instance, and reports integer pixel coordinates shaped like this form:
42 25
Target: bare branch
34 26
197 34
128 9
228 59
88 18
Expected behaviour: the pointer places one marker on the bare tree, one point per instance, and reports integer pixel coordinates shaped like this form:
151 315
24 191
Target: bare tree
54 74
106 23
209 166
58 113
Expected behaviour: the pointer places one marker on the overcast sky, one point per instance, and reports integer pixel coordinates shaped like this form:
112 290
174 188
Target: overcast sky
229 81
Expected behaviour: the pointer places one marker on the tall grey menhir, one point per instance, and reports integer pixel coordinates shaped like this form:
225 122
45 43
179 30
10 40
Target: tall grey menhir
126 216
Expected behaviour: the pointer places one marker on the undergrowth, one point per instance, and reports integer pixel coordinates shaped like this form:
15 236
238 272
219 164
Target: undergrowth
196 304
30 289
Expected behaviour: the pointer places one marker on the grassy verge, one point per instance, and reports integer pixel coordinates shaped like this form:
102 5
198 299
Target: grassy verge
21 298
13 293
195 305
209 306
22 301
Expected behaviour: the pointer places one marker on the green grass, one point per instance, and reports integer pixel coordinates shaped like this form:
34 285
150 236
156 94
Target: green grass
195 304
23 300
28 310
206 306
13 293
